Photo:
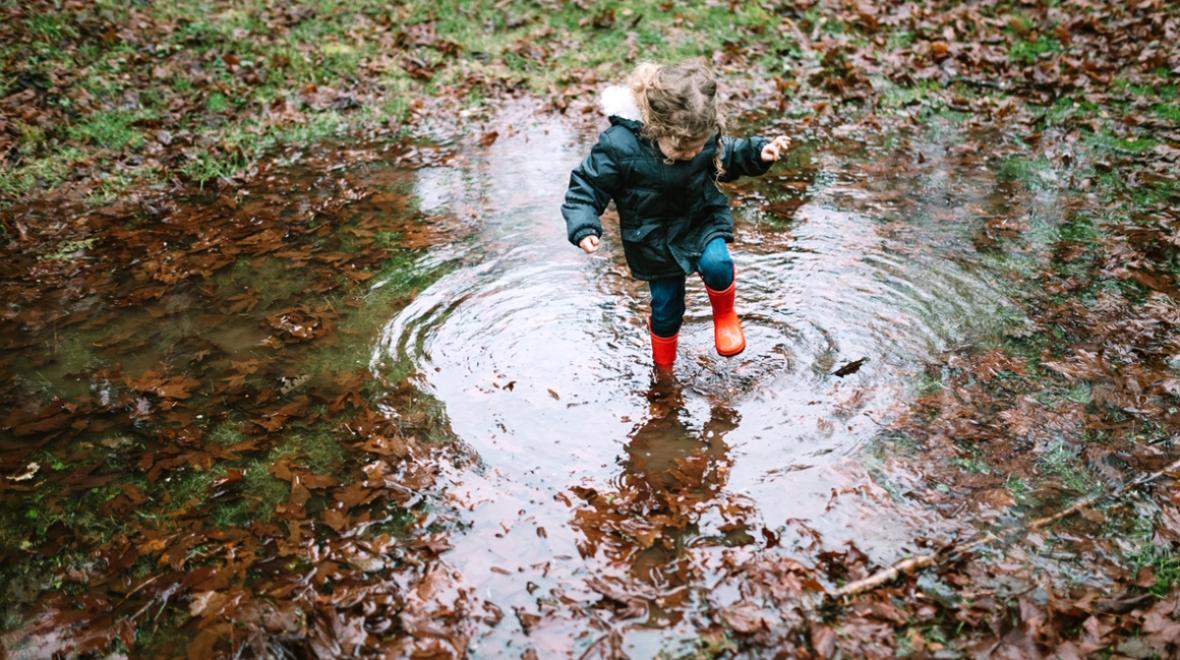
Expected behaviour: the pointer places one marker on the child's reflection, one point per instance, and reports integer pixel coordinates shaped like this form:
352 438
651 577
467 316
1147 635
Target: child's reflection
670 463
649 521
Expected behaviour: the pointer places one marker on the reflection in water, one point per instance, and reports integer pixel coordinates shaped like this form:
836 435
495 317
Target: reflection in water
649 526
672 471
667 461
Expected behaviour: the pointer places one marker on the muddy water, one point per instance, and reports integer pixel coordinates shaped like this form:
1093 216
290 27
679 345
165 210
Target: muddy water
540 356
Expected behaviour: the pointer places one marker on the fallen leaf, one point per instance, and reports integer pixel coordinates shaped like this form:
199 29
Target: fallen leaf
850 368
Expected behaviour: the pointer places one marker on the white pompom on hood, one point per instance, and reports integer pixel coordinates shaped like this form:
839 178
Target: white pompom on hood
618 101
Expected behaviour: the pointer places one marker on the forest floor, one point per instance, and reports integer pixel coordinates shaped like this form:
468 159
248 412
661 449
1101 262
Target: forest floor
196 200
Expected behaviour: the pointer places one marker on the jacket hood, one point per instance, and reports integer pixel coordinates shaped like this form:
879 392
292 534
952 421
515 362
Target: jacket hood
619 105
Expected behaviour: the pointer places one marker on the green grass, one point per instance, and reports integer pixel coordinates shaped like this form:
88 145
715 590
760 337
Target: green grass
40 173
50 27
328 47
1080 228
259 491
186 487
898 96
1027 51
216 102
109 130
339 60
243 144
1164 563
1080 393
25 521
276 284
226 433
387 239
318 50
925 384
1030 172
938 110
318 450
715 644
929 634
1064 462
1167 111
1018 487
1028 349
115 184
240 513
1162 559
1123 198
1067 108
210 167
29 138
1165 92
1133 145
814 16
496 34
1021 23
972 464
398 278
73 353
899 39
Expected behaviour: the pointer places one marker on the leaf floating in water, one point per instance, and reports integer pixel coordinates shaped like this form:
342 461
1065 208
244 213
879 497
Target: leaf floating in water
588 494
29 473
771 538
745 618
785 208
165 387
850 368
291 384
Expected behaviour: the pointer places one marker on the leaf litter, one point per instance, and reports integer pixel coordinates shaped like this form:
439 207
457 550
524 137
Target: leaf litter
211 509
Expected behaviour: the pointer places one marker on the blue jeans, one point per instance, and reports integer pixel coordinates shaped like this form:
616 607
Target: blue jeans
667 294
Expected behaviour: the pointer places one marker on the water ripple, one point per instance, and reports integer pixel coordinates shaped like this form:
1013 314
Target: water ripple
541 358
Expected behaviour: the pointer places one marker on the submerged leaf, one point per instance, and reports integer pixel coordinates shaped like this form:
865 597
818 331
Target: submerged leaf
850 368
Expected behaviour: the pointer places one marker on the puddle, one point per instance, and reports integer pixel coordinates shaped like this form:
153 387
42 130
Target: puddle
268 360
540 357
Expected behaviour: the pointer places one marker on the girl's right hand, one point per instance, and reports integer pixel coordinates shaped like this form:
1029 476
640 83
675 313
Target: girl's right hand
589 244
775 148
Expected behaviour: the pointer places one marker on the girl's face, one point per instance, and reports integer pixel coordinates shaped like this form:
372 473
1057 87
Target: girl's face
681 149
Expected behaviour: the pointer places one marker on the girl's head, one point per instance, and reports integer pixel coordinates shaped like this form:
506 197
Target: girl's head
679 107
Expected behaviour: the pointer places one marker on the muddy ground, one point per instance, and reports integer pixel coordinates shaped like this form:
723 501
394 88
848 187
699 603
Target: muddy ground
311 370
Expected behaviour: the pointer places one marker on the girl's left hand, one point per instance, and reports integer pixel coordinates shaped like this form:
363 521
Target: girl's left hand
775 149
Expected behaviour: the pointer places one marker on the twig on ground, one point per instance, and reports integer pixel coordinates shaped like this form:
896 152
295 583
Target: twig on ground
912 564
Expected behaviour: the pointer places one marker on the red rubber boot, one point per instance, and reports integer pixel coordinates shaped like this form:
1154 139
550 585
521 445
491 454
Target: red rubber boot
727 329
663 349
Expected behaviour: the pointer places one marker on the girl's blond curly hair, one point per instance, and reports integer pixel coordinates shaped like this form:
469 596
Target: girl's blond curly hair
679 101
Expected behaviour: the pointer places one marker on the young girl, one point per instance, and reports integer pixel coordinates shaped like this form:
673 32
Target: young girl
660 161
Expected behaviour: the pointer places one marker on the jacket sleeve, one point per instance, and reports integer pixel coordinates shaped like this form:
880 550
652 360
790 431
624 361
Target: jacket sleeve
592 185
743 157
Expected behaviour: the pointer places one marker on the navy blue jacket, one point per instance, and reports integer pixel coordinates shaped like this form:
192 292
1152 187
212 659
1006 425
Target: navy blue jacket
667 213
